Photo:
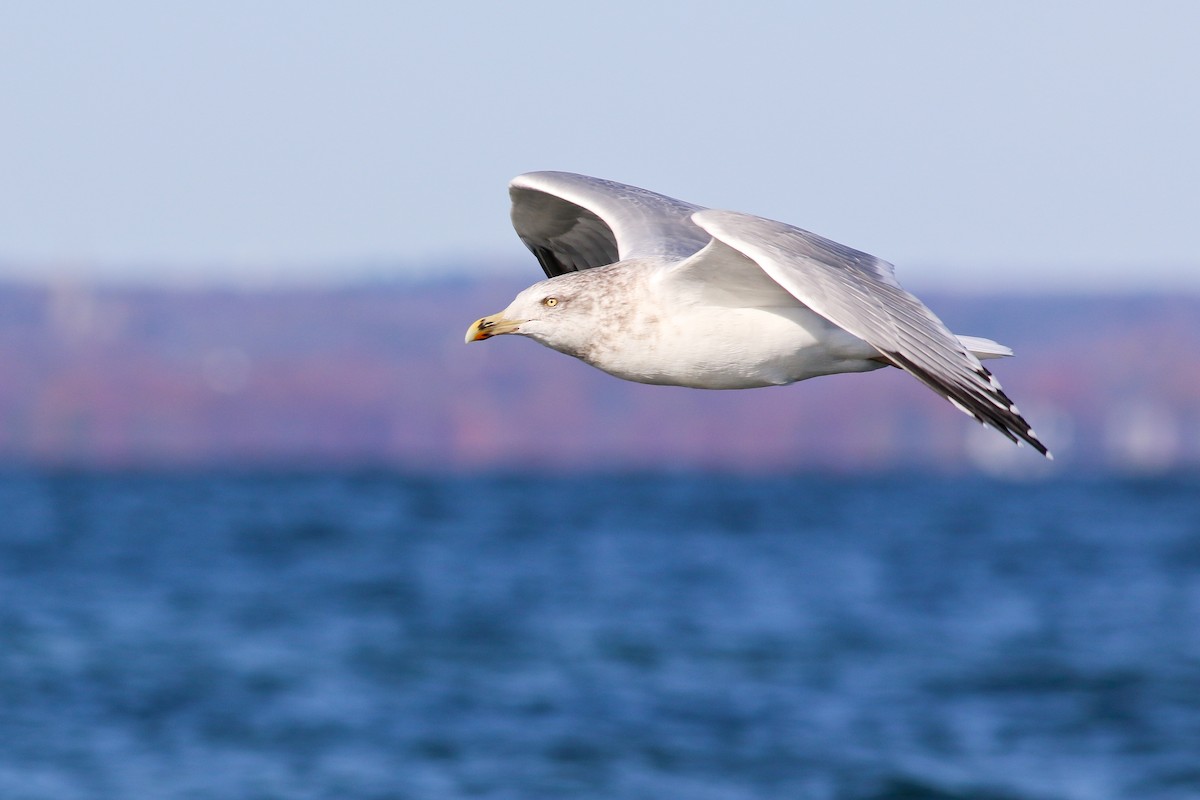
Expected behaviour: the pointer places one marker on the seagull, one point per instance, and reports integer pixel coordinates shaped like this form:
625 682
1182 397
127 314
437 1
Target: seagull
656 290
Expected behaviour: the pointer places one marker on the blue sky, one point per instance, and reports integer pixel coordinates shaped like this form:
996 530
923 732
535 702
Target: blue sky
1013 145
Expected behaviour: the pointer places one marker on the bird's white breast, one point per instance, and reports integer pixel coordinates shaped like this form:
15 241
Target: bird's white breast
714 347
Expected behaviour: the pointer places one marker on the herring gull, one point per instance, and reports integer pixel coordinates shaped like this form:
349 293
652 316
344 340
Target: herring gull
656 290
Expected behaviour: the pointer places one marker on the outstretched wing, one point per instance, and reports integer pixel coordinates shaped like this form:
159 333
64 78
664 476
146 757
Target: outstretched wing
859 293
573 222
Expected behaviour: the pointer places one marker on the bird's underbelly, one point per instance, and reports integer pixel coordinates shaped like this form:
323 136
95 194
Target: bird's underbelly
736 348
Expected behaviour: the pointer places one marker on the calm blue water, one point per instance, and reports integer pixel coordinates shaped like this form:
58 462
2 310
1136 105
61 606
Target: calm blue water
378 636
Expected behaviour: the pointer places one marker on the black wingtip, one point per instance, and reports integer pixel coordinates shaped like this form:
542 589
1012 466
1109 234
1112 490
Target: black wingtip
993 408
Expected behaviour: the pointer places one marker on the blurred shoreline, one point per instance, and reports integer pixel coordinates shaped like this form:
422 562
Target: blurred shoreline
376 376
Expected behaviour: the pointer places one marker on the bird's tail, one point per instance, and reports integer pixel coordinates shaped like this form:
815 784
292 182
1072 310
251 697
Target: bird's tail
984 348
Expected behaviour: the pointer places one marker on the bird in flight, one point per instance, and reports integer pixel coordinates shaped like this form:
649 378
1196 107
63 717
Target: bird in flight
655 290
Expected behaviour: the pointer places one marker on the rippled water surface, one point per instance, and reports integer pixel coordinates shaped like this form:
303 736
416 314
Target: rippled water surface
381 636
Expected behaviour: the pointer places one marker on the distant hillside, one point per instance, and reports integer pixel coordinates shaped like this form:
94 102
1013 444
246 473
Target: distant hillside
379 375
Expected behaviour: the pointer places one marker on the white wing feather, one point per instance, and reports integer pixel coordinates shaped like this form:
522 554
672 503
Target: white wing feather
859 293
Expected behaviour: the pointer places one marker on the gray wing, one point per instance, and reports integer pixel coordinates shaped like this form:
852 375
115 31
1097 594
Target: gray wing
573 222
859 293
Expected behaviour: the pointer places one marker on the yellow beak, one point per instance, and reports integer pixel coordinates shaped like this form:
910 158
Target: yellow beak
491 326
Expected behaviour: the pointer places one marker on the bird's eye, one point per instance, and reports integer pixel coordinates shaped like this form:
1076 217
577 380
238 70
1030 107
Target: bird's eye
550 302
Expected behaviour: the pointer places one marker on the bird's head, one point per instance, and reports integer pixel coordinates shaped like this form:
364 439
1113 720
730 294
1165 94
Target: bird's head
552 312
